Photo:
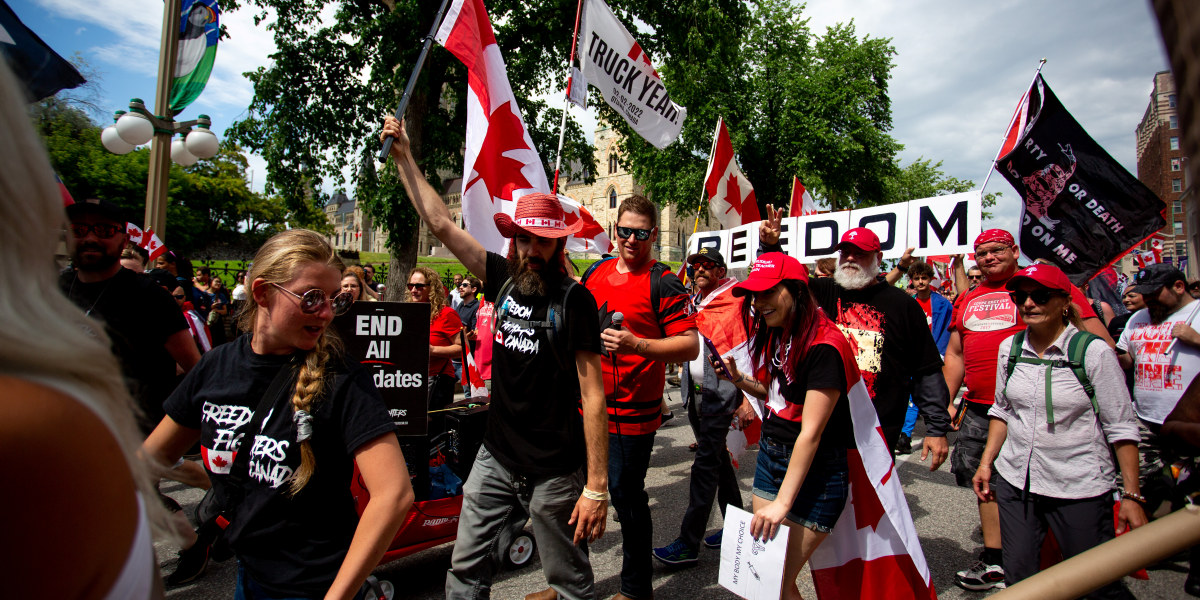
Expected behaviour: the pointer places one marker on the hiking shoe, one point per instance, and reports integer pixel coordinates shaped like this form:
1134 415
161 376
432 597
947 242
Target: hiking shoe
903 445
714 540
980 576
677 553
192 563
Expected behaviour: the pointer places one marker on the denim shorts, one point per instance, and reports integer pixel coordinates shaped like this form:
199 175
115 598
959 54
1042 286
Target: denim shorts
823 494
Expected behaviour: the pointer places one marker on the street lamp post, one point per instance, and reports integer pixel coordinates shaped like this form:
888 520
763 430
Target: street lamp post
138 126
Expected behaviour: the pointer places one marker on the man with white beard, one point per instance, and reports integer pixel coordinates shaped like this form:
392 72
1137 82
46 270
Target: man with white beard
895 351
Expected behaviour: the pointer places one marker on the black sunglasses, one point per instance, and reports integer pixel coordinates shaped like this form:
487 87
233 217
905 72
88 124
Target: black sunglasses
103 230
974 276
707 265
417 286
315 299
641 234
1039 297
179 296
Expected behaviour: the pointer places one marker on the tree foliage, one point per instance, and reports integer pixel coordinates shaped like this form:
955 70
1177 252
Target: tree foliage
795 103
208 202
922 178
340 66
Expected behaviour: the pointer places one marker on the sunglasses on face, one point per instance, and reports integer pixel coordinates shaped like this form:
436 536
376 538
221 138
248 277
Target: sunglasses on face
641 234
707 265
974 276
179 296
314 300
102 230
1039 297
417 286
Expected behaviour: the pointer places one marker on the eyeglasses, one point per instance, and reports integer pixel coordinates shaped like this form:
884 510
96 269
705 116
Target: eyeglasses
707 265
1039 297
464 284
641 234
103 230
995 251
417 286
314 300
974 276
179 296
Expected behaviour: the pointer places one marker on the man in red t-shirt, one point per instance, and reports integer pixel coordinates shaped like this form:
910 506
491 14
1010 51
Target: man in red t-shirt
984 317
656 330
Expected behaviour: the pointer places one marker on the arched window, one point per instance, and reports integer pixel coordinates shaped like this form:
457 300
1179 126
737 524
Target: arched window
612 197
612 163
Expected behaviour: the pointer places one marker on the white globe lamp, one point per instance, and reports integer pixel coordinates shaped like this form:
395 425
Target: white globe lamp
180 154
202 142
135 128
112 140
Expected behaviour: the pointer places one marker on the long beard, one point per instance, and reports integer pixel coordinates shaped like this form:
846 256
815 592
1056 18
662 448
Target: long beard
526 280
852 277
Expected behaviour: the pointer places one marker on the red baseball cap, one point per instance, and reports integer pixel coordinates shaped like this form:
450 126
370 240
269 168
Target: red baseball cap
1048 276
769 270
862 238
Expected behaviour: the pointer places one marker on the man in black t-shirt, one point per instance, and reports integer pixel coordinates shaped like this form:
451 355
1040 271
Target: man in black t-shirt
890 338
537 440
138 315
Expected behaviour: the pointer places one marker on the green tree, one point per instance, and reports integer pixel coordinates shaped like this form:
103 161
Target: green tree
317 109
794 103
924 179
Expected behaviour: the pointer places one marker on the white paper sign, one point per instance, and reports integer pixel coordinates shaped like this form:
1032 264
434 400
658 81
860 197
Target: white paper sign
934 226
750 568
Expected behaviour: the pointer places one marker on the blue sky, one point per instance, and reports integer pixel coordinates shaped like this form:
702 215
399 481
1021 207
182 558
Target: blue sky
960 66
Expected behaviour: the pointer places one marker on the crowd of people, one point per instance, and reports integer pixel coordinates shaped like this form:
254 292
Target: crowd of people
1067 414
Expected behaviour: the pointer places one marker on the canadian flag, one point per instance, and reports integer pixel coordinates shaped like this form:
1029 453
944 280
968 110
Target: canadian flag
152 244
730 195
500 164
802 201
135 234
592 238
873 551
719 319
472 383
218 461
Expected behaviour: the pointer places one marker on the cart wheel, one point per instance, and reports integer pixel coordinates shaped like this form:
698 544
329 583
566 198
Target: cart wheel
520 551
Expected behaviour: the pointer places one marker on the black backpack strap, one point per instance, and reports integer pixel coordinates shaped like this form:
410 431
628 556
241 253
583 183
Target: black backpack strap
656 274
588 273
556 315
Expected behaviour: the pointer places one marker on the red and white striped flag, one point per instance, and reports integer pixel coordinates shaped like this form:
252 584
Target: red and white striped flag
802 201
873 551
500 164
730 195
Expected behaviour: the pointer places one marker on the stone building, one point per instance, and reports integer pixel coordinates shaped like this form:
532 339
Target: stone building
1160 164
352 228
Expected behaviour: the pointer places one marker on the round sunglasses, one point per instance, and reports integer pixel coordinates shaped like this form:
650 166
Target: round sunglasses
314 300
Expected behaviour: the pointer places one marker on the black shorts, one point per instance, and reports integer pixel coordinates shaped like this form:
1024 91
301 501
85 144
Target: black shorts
968 448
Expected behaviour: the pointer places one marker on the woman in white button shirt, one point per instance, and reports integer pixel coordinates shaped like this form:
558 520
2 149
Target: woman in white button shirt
1051 455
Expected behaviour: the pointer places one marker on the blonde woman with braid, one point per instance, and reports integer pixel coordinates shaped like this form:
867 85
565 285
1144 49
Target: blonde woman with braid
444 324
292 524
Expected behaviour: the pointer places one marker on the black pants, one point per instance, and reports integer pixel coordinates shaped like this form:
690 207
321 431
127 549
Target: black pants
1078 525
712 474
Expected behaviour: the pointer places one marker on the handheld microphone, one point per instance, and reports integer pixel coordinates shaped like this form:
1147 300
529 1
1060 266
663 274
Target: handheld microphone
618 319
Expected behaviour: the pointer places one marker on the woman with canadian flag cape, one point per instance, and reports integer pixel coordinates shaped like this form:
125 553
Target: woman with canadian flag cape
823 467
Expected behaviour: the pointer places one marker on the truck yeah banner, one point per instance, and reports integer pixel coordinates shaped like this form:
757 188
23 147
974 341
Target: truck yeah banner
938 225
615 63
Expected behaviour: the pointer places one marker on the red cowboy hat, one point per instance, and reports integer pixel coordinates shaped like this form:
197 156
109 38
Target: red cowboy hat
537 214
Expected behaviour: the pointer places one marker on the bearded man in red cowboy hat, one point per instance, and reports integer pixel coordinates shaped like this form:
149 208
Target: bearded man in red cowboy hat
532 463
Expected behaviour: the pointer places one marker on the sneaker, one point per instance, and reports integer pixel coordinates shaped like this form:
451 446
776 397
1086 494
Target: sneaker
903 445
714 540
981 576
677 553
667 416
192 563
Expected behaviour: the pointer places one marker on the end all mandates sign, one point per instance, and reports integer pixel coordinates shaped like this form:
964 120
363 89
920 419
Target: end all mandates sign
391 339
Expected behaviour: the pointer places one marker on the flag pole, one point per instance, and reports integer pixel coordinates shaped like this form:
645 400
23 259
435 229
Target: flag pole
703 191
1015 116
791 207
412 79
562 129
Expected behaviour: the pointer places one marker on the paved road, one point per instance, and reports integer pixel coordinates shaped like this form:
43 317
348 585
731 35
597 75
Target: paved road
944 514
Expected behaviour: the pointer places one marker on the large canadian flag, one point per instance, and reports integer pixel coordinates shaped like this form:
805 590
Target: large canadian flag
719 320
592 238
873 551
802 201
500 164
730 195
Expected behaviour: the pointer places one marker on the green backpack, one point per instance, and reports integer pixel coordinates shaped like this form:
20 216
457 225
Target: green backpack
1076 351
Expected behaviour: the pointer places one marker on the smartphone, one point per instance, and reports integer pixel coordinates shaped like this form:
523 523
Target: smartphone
720 364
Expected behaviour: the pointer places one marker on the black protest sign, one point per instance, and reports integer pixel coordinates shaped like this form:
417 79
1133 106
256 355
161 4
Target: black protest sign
392 340
1083 211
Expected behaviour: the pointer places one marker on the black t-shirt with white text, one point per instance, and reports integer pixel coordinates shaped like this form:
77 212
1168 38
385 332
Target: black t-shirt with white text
292 545
139 316
534 426
890 337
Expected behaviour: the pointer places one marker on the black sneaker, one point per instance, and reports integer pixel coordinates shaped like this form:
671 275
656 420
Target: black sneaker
192 564
903 445
714 540
980 576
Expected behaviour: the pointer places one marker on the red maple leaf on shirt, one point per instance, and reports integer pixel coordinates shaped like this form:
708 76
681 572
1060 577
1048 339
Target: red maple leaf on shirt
500 173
